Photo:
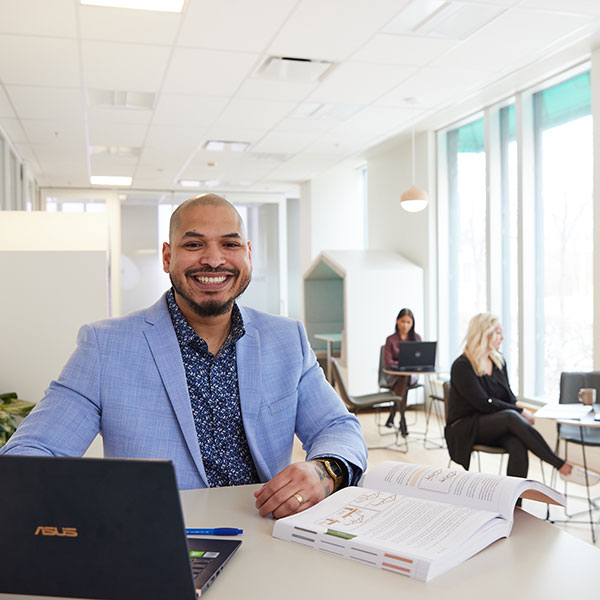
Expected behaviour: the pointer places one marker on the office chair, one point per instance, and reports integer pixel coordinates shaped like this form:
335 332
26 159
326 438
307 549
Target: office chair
570 384
383 384
377 401
436 396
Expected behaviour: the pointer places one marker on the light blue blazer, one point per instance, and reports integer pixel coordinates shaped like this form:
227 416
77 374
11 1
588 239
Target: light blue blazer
126 380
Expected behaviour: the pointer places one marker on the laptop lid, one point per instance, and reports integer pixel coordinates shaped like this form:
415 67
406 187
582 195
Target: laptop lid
98 528
416 356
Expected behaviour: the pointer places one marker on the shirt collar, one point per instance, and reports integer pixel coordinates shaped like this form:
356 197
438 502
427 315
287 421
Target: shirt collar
187 336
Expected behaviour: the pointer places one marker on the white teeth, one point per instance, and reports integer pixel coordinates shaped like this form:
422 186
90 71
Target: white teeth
214 280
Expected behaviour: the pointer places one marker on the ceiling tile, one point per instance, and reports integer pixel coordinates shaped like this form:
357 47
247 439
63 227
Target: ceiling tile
6 109
286 143
207 72
402 49
38 17
309 125
516 37
332 30
180 137
124 67
32 102
375 120
59 68
180 109
111 165
132 26
237 134
14 130
55 134
117 134
359 82
103 114
432 85
340 143
255 87
242 112
232 24
582 7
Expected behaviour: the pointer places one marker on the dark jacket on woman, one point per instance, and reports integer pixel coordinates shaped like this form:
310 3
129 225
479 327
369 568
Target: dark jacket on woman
471 396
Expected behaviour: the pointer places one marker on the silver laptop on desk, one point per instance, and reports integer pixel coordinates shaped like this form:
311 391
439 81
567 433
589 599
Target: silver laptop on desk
100 528
416 357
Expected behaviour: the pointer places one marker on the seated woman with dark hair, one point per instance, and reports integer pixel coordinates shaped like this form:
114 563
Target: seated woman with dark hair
405 332
482 408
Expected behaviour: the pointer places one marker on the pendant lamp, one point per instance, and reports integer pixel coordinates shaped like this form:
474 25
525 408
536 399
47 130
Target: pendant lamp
414 199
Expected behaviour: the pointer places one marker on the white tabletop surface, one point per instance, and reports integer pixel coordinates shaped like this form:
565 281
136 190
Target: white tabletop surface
538 561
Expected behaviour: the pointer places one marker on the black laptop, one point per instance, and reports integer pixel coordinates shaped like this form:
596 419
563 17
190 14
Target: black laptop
416 357
100 528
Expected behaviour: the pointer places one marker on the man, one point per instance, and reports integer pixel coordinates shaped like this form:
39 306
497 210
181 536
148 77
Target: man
218 389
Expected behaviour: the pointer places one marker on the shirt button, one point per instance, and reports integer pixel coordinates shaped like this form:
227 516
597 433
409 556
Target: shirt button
489 400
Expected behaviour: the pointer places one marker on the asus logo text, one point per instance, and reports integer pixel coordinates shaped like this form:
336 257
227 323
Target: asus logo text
57 531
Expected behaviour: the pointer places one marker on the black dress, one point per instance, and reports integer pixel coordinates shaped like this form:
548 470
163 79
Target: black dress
472 395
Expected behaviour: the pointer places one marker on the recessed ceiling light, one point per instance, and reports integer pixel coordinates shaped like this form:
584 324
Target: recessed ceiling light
190 183
175 6
287 68
110 180
211 182
117 150
121 99
224 146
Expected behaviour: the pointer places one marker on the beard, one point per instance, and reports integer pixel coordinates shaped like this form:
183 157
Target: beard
211 308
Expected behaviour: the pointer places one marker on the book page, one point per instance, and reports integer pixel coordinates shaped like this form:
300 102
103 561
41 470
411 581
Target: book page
483 491
392 522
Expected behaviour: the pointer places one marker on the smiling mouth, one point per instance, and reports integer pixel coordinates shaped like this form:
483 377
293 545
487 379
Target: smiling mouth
211 279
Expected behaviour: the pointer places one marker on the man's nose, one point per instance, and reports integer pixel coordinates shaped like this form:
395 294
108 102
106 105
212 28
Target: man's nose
212 255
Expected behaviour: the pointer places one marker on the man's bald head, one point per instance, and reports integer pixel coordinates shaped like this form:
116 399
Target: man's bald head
203 200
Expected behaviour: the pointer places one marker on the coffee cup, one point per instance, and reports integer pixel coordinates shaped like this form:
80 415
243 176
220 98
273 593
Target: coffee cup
587 396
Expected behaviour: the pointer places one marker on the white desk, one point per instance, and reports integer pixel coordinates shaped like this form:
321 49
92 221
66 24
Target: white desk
538 560
329 339
553 413
538 556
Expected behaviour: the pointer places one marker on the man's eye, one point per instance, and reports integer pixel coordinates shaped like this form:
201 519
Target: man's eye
192 245
231 245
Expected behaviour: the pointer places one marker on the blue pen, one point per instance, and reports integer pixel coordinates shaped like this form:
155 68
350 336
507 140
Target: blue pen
215 531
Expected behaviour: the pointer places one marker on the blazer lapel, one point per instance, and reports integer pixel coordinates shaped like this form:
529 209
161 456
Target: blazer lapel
249 373
164 346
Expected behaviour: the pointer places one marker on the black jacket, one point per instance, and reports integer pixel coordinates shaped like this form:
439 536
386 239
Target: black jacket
472 395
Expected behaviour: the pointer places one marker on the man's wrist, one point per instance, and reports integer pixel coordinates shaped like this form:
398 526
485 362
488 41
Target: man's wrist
336 469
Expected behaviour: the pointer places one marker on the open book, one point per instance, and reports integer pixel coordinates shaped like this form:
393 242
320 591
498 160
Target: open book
414 519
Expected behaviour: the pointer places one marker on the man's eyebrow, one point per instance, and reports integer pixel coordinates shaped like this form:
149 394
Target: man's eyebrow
195 234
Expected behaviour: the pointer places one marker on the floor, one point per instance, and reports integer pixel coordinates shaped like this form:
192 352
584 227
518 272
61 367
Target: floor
429 454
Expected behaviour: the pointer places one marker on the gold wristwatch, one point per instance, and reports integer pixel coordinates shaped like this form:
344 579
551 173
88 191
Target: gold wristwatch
335 469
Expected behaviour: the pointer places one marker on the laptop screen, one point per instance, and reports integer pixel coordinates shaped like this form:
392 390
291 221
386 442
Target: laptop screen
416 355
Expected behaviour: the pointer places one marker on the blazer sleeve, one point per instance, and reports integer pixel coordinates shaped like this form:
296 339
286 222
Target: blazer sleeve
467 386
323 423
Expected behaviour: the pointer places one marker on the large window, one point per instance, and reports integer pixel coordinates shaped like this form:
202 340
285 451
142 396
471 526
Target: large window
516 206
466 228
564 232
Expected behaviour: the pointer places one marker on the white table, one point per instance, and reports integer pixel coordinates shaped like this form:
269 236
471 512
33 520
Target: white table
538 560
554 413
329 339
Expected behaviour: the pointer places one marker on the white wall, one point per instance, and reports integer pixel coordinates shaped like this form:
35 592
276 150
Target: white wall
392 228
54 278
332 214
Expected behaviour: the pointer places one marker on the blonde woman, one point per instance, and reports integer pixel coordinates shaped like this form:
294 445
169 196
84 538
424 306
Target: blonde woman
482 408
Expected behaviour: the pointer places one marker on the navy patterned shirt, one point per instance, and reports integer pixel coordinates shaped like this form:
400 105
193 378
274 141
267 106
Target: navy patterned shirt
215 399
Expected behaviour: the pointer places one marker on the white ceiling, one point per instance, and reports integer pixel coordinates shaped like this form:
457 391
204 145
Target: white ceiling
200 69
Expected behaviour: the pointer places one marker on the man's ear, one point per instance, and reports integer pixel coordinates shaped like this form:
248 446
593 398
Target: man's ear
166 257
250 253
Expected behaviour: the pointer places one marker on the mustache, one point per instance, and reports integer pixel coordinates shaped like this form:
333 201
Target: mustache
211 270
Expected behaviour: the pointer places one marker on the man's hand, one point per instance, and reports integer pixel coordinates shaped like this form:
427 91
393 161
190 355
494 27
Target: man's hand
295 489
